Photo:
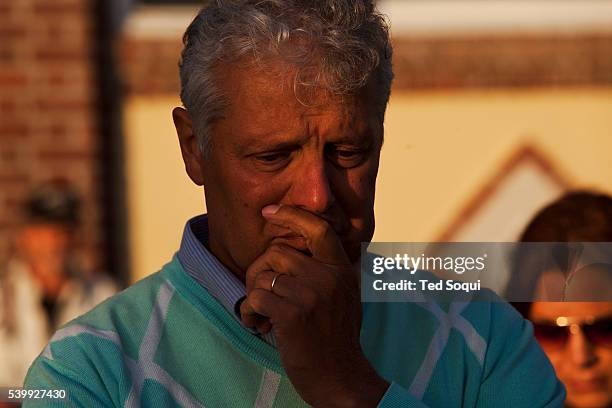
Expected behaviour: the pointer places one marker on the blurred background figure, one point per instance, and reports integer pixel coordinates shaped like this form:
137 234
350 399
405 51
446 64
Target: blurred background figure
576 336
43 284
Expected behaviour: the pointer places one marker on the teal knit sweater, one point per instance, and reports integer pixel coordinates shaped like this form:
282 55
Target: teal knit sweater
165 342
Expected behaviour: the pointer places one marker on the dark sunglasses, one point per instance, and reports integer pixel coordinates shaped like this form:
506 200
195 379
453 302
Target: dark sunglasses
556 334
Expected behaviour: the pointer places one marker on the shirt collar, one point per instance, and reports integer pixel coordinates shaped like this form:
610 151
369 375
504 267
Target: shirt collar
205 268
209 272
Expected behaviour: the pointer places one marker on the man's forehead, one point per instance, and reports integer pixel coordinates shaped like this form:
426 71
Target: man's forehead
267 101
271 79
289 134
308 86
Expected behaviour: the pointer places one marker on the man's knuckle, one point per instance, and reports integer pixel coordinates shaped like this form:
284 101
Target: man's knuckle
277 249
257 298
260 281
322 229
250 271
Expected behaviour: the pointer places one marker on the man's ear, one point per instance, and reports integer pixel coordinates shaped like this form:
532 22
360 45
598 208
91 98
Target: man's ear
190 148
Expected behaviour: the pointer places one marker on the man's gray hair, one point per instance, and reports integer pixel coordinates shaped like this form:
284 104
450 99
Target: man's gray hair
337 44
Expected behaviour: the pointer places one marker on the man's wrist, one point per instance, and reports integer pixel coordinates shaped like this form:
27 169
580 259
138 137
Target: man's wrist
366 391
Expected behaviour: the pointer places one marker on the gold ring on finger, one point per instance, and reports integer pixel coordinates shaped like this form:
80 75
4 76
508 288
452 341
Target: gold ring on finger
274 281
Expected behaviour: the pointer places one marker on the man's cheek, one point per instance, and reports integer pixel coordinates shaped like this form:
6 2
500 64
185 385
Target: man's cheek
264 189
362 189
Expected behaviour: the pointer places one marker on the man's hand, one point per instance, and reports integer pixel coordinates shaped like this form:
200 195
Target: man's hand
314 312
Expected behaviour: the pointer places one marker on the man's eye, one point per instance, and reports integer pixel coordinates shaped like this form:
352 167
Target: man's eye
272 160
347 158
347 154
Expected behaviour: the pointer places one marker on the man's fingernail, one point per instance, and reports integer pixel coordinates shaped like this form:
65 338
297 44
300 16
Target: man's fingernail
270 210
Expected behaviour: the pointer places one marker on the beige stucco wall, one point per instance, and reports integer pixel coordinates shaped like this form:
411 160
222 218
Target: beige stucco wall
160 195
440 148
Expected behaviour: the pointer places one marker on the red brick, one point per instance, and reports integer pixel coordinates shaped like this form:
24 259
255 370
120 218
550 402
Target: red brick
52 104
7 106
14 205
60 55
6 55
57 79
8 127
12 79
7 153
57 7
11 32
64 155
12 179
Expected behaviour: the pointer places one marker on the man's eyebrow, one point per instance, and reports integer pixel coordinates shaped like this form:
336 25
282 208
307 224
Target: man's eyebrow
269 142
278 140
275 146
361 138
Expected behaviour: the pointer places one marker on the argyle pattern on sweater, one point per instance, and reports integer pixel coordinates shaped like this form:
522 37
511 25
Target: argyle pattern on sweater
165 342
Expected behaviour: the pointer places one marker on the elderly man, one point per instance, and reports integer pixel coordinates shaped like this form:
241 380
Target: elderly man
283 126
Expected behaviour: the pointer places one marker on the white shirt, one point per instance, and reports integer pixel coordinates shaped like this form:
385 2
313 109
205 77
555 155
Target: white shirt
24 326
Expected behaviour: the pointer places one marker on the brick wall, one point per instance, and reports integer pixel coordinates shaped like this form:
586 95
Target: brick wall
149 65
48 108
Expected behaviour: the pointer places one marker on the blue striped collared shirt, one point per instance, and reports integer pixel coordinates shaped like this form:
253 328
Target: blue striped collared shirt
209 272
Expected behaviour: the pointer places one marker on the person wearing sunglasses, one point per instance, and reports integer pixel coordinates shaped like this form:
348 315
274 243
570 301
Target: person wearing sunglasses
575 335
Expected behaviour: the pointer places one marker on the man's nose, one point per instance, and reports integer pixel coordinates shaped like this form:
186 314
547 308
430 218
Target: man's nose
581 351
311 188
